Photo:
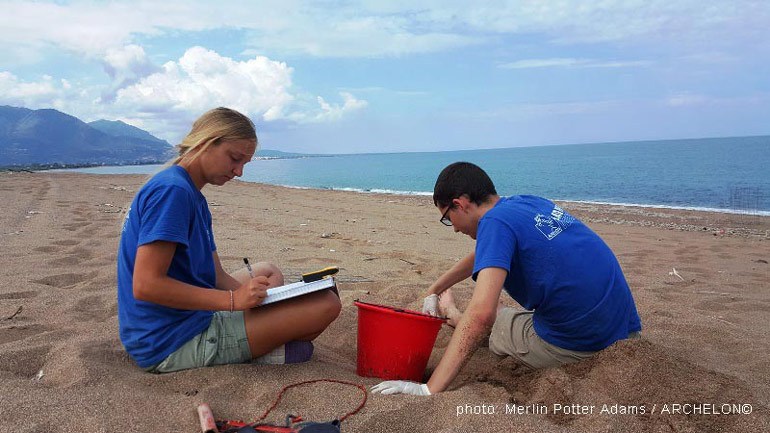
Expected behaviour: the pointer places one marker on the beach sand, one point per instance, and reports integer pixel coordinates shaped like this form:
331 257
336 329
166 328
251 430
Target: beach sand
62 367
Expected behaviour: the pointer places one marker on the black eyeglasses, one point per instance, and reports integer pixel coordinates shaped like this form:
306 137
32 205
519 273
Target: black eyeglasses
445 217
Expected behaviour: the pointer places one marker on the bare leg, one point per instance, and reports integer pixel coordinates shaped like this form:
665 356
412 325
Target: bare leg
303 318
269 270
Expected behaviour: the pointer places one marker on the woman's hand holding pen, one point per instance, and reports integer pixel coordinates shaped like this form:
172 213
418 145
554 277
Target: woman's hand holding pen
250 294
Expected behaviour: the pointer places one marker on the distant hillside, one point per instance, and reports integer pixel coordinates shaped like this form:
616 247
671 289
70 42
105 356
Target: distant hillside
277 154
50 138
117 128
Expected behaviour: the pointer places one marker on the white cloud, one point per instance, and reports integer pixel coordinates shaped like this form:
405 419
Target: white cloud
590 21
382 28
167 101
325 35
202 79
343 30
327 112
79 27
573 63
127 62
126 66
48 92
38 94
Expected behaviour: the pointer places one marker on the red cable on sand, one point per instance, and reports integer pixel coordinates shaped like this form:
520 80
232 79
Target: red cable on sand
227 425
285 388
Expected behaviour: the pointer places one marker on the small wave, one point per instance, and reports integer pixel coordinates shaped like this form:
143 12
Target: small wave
606 203
661 206
361 190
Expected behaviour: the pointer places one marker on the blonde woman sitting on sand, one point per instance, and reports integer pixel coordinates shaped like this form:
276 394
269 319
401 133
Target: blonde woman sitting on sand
177 307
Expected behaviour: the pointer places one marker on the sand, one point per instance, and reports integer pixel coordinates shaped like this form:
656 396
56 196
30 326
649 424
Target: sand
62 367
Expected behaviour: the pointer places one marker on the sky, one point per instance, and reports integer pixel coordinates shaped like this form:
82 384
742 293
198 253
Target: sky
395 76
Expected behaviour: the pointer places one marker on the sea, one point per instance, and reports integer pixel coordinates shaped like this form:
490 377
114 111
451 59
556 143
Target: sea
710 174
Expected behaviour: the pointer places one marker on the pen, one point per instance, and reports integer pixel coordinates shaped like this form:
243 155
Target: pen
248 266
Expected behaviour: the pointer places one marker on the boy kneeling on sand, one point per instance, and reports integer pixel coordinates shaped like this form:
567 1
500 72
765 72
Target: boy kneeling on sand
576 299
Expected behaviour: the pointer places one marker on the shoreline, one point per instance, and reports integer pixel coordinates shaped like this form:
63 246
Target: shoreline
761 213
714 222
741 212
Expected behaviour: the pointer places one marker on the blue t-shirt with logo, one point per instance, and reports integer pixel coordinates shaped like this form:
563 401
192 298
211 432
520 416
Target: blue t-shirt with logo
559 268
167 208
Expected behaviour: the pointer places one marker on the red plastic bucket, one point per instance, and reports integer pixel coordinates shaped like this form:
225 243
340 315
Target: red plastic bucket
394 343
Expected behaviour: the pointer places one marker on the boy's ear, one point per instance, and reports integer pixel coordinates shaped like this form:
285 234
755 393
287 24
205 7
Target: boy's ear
462 202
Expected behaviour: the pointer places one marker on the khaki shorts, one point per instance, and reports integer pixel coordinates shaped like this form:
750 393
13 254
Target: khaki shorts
513 334
223 342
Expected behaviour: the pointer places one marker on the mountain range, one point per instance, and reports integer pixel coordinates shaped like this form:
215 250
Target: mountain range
49 138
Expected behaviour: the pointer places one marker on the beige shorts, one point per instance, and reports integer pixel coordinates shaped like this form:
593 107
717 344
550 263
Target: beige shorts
223 342
513 334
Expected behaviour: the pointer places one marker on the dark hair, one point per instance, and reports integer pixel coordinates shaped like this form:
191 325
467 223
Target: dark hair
462 178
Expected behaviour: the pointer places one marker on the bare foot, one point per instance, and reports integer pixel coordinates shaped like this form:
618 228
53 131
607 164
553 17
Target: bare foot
448 308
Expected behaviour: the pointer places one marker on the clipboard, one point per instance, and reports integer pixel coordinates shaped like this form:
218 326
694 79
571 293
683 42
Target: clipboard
288 291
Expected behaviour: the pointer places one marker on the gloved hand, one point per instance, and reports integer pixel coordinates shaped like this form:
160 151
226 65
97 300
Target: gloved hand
401 387
430 305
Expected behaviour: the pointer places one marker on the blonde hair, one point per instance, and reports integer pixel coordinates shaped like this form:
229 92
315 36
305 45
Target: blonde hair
213 127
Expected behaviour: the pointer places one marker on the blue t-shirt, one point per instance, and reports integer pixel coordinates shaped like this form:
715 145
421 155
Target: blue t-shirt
167 208
559 268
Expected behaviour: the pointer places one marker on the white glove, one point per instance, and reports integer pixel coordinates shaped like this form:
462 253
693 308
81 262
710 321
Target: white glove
430 305
401 387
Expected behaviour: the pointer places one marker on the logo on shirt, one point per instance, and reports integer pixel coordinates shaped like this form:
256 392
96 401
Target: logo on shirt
125 221
551 225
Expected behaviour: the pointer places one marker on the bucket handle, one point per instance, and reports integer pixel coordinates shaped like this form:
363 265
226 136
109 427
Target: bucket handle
401 310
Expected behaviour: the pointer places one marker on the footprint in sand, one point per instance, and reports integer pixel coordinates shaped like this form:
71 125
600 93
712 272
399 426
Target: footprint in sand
752 306
314 261
15 333
84 252
19 295
711 305
663 313
74 256
95 308
64 262
24 363
101 358
66 280
76 226
101 283
47 249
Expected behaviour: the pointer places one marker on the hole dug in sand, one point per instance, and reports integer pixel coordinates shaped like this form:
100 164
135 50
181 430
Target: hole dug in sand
630 374
24 363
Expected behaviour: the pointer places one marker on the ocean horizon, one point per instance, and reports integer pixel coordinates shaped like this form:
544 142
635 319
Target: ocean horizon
708 174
